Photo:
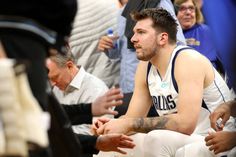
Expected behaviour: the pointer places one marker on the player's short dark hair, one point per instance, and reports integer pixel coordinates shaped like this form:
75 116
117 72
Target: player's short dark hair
162 21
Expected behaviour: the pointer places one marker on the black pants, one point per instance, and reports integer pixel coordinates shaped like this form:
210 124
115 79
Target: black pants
21 45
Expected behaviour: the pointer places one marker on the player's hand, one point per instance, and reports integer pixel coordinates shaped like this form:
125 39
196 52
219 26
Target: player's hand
221 112
122 126
98 123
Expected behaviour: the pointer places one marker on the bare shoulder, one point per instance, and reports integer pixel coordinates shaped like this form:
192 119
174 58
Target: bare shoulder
143 64
141 72
195 65
142 67
191 57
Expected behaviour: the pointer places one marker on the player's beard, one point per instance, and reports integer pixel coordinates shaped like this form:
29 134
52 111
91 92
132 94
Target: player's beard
146 54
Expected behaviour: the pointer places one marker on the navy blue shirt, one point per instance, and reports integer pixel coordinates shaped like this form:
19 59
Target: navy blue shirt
200 38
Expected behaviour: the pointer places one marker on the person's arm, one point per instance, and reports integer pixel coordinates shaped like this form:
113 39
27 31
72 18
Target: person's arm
88 143
141 100
138 107
189 74
79 113
83 113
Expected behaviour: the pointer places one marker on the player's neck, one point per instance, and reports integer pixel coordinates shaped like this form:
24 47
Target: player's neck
161 61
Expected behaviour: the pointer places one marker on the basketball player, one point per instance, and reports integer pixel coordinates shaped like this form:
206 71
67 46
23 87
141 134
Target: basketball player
180 82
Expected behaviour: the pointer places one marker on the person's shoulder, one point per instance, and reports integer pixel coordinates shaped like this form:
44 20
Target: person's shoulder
92 77
95 81
142 68
143 63
203 27
191 55
191 61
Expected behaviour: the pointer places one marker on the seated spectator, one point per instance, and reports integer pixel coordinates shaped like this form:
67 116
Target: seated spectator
197 34
73 85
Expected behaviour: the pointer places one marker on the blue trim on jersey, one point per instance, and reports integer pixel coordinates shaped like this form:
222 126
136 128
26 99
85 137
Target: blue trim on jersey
152 112
173 67
205 106
159 74
219 91
148 70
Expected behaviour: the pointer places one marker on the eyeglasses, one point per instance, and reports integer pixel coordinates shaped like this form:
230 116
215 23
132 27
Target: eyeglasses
184 9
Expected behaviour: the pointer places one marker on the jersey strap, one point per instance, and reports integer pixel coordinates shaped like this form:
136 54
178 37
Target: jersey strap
173 67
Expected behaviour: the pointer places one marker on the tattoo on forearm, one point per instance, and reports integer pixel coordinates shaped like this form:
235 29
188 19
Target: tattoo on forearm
148 124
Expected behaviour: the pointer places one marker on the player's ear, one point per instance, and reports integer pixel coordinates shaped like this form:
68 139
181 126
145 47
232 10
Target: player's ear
163 38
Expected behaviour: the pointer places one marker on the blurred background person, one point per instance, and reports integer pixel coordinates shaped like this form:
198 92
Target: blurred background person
93 19
73 85
197 34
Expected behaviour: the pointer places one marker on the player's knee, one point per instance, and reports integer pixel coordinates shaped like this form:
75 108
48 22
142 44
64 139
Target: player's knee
180 152
158 143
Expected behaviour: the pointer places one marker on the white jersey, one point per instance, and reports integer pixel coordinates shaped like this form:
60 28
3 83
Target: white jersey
164 92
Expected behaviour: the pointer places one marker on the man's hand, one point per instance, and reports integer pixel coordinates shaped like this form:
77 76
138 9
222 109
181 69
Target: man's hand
98 123
223 112
113 142
121 126
106 43
221 141
103 104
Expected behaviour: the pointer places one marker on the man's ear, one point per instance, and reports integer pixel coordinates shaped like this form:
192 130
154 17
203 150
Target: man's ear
163 38
69 64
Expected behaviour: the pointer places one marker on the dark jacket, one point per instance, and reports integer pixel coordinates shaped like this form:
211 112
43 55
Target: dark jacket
55 15
64 142
79 114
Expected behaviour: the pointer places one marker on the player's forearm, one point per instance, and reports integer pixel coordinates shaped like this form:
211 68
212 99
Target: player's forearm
148 124
145 125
